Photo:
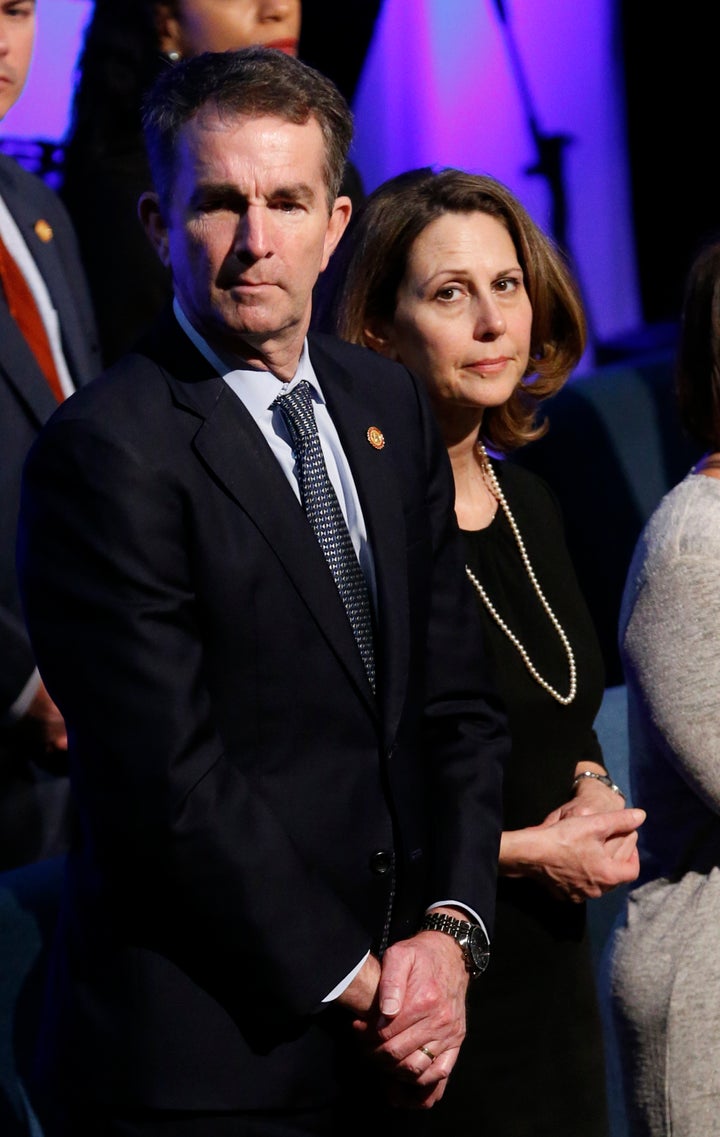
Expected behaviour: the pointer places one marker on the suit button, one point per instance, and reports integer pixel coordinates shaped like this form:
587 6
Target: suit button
381 862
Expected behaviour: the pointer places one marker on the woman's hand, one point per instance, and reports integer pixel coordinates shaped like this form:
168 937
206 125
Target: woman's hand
576 856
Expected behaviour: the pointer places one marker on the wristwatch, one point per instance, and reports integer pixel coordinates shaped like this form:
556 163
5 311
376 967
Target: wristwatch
472 940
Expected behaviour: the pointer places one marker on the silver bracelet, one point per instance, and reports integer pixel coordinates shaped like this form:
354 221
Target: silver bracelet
604 778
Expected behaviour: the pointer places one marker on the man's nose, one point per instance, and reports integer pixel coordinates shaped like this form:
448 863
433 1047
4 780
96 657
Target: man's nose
253 233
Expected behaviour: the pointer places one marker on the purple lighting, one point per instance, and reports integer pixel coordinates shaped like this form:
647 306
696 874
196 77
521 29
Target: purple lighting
439 88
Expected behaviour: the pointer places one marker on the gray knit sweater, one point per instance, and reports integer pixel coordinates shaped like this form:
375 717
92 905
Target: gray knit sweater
665 960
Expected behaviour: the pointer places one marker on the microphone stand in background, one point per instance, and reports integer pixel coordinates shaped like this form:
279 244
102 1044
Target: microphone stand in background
550 150
550 147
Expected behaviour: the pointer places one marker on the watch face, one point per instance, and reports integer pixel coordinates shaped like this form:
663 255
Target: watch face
479 949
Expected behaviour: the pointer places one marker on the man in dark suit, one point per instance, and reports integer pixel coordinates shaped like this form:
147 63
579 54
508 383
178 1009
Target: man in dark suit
289 793
44 354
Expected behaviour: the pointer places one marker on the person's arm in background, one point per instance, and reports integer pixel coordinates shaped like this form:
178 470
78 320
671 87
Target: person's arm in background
670 650
25 704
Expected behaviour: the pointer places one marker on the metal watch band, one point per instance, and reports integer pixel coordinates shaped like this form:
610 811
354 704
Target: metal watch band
441 922
461 931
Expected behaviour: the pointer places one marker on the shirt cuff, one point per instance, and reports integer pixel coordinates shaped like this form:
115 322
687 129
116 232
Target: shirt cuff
345 983
20 707
464 907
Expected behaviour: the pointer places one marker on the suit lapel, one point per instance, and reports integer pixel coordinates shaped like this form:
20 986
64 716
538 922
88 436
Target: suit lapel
22 370
46 255
234 451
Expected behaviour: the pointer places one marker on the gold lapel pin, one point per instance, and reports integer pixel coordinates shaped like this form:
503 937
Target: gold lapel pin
375 437
43 229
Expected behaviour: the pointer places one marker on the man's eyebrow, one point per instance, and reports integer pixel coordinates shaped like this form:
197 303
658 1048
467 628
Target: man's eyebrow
219 190
229 192
294 191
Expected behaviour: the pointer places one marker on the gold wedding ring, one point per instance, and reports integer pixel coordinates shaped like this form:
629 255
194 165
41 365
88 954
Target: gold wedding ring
427 1052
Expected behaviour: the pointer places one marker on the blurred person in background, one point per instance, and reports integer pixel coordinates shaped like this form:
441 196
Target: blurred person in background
126 46
663 965
48 347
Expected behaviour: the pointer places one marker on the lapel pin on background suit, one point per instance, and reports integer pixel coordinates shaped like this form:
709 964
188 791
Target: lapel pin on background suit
43 230
375 437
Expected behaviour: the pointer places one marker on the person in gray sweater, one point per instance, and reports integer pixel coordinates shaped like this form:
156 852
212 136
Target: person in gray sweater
664 962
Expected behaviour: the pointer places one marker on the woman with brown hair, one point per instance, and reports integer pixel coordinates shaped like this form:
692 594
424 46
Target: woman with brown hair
449 275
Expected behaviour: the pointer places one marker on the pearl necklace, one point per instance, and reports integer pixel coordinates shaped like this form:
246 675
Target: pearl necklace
496 489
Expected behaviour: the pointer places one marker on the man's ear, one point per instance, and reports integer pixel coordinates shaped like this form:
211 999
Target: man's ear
337 224
154 225
167 28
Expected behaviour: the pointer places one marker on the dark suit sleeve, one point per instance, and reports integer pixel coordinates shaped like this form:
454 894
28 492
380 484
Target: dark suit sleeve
466 739
197 866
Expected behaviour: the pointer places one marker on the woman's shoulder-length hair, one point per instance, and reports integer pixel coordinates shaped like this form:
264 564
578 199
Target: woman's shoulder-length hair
376 256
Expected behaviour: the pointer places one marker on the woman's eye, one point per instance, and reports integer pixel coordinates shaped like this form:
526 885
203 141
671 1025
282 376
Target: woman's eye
448 292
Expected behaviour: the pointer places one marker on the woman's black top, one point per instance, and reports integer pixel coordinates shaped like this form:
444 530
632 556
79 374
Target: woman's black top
532 1063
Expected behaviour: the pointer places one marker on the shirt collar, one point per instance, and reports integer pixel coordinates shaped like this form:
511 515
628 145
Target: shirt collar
257 388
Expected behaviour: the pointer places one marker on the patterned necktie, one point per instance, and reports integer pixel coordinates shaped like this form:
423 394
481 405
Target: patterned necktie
326 518
26 315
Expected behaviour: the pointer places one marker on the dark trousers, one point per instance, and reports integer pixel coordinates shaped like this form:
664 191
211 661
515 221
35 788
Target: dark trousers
159 1123
350 1120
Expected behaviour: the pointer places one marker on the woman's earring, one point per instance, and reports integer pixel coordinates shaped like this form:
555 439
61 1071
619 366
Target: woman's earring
173 56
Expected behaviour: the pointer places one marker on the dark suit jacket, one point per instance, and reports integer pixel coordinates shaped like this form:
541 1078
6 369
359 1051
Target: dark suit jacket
252 819
26 402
